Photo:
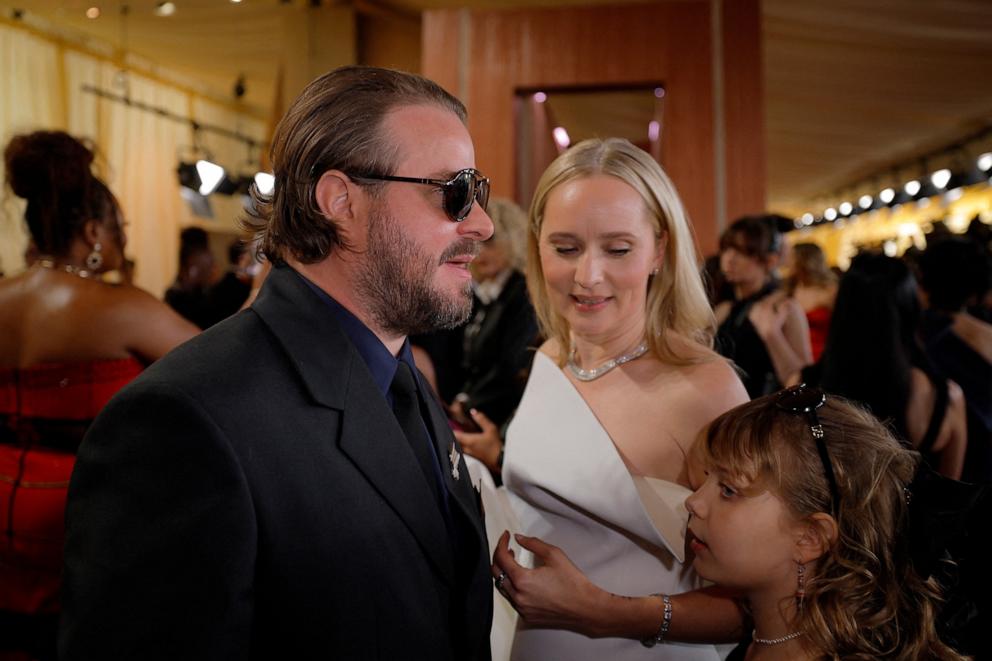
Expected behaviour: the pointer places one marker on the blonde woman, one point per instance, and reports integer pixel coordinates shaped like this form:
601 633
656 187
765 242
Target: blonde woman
595 458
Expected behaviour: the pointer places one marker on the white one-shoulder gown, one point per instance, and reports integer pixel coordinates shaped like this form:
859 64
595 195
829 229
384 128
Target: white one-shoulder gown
569 486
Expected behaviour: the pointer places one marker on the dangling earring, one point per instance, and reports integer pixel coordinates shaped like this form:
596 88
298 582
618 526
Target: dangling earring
94 260
801 589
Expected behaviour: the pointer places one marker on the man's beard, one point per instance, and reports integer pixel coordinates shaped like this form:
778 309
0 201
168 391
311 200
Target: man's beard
396 281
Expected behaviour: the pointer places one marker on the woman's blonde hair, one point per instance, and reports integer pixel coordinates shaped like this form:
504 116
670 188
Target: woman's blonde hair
509 230
676 299
863 599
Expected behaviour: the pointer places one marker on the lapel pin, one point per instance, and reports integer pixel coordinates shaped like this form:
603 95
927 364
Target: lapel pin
454 457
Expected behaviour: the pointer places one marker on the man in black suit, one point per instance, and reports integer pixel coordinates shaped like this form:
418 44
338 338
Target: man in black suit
284 486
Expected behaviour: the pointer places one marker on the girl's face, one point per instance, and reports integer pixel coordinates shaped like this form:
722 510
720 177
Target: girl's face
598 249
742 539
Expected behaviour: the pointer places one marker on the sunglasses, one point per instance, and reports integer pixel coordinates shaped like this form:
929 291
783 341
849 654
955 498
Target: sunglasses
459 192
804 400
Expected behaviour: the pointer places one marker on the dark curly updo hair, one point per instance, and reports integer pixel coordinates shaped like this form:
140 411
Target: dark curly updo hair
52 171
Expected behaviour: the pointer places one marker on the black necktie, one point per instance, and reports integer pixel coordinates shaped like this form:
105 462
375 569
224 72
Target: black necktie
406 407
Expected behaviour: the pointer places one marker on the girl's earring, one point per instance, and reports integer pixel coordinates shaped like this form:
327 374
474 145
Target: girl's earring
801 580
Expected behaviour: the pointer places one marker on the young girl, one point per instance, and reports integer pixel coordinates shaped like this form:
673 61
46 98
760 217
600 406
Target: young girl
801 508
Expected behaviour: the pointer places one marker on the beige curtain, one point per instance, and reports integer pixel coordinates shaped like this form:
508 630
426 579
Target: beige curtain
41 87
29 99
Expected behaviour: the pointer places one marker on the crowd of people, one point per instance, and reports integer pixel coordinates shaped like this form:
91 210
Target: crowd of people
697 463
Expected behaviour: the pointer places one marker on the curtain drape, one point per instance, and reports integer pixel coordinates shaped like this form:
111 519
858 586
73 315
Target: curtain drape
41 87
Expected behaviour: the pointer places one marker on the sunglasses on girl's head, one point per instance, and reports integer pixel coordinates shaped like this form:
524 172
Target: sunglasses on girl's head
805 400
459 192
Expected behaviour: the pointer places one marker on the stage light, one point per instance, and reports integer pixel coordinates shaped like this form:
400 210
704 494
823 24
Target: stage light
865 202
912 187
807 219
561 137
985 162
830 214
845 208
265 183
188 176
231 185
940 178
887 195
211 175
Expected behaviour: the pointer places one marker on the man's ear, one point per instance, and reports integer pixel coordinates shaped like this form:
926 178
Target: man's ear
815 537
336 196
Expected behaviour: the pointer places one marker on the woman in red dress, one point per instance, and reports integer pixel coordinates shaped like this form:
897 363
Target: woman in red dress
68 342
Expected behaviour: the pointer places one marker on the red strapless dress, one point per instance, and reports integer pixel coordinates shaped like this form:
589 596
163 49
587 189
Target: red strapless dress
819 324
44 412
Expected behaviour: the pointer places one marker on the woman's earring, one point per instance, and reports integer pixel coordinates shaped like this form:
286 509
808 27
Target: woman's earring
94 260
801 579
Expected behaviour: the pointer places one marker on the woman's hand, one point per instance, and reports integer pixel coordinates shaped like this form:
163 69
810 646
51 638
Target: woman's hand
555 594
768 315
484 445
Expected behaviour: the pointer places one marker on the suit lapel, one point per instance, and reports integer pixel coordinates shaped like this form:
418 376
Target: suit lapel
336 377
374 441
460 489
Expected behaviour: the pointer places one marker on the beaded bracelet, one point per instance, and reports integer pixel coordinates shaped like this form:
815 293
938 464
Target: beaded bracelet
666 622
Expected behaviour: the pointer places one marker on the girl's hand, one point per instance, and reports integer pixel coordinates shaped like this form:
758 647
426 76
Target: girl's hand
555 594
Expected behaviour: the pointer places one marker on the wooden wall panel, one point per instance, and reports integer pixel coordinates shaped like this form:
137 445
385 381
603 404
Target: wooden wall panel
744 103
486 56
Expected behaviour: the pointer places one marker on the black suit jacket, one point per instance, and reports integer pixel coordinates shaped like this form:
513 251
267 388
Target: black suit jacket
251 496
497 350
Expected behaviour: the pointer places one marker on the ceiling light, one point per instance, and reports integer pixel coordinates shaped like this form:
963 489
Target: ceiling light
830 214
887 195
659 92
165 9
211 175
985 162
845 208
265 183
561 137
540 97
93 12
912 187
808 219
235 2
940 178
865 202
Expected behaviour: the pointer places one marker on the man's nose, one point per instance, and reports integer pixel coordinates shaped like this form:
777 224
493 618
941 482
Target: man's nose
477 224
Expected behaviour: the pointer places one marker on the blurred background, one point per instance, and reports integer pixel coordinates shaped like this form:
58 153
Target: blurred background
866 122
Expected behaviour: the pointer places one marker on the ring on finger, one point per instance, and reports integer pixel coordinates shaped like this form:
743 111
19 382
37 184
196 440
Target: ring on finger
499 580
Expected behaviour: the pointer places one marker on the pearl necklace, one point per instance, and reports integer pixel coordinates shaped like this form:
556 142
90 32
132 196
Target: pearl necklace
596 372
52 265
773 641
